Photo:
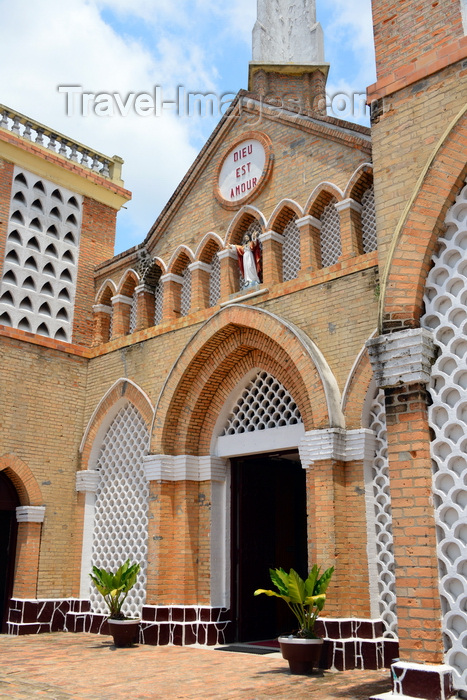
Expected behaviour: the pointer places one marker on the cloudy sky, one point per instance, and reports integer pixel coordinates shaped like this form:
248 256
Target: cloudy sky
129 47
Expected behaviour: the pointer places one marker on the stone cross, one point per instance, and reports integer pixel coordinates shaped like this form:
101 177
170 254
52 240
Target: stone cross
286 31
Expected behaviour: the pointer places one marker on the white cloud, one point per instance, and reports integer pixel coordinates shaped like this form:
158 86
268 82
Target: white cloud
129 46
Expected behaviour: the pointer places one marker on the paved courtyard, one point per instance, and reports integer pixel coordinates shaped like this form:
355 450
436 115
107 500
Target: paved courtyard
61 666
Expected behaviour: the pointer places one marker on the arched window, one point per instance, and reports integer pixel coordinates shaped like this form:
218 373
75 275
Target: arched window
215 280
330 234
121 510
369 240
291 250
185 296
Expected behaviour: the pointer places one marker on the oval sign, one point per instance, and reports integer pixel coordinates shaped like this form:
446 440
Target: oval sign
241 170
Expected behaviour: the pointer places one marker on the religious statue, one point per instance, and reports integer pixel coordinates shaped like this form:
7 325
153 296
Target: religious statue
249 259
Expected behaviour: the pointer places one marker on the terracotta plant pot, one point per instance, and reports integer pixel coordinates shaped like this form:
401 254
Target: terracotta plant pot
302 654
124 632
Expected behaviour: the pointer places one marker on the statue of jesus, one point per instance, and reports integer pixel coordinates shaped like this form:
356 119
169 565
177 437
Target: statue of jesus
249 259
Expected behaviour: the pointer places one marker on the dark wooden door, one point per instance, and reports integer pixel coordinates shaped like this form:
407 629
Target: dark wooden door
8 502
268 531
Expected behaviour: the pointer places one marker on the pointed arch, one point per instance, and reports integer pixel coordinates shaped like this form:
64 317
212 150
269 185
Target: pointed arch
153 272
282 214
420 224
242 221
23 480
359 182
106 291
228 346
182 256
107 408
320 198
209 244
129 281
355 393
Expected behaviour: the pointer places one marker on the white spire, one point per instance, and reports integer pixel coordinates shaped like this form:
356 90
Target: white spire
286 31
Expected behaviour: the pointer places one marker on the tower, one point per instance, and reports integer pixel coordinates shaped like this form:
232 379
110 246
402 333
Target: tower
288 67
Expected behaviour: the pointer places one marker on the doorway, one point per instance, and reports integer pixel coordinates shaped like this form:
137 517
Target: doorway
8 528
269 530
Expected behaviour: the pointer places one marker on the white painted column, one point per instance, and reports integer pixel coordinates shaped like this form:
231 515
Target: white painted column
87 482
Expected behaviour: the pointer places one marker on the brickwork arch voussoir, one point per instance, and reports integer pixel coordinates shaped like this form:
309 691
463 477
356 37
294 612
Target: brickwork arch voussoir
416 235
122 389
209 365
23 480
320 198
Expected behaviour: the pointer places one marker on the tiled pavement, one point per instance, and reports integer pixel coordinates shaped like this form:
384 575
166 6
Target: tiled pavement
63 666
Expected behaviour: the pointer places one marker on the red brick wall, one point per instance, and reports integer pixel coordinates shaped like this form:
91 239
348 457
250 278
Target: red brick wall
96 245
403 31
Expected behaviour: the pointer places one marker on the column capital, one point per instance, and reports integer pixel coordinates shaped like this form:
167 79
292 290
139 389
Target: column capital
337 444
122 299
141 288
404 357
87 480
199 265
30 514
271 236
309 221
102 308
349 204
227 253
170 277
184 468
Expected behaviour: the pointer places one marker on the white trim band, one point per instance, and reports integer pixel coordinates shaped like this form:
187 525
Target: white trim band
404 357
184 468
336 444
87 480
30 514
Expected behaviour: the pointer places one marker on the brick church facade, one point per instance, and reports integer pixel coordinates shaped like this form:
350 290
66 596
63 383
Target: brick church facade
157 408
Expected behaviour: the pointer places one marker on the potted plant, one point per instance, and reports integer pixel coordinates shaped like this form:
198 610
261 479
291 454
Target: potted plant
114 588
306 600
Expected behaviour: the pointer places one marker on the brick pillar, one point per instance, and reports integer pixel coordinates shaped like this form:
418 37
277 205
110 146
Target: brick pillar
145 303
272 243
102 316
310 243
230 280
184 526
172 296
30 519
200 278
334 460
121 309
401 362
350 213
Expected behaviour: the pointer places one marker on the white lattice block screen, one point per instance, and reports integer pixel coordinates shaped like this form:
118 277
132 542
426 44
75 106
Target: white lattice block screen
264 403
291 251
383 519
37 289
215 281
369 240
330 235
133 312
446 315
186 292
158 303
121 512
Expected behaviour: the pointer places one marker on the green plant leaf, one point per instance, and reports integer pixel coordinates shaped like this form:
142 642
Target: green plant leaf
272 593
280 579
323 583
296 587
311 580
